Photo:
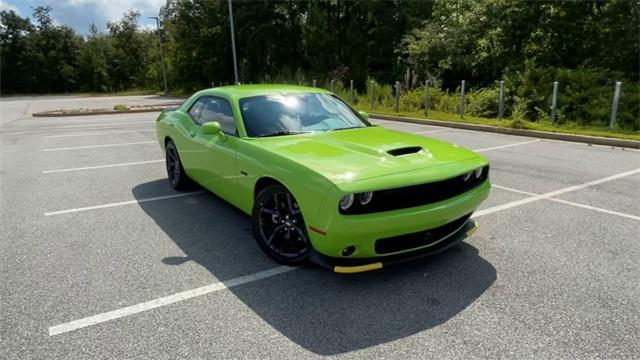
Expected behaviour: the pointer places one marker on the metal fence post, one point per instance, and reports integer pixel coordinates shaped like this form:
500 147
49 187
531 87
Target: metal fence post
501 101
314 83
331 87
373 94
426 97
397 96
614 105
353 98
462 99
554 102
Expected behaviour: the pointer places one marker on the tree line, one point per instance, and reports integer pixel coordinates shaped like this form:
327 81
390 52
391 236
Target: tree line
586 45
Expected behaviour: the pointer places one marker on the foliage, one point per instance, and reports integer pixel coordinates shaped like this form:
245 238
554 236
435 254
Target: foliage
584 45
45 57
483 102
584 96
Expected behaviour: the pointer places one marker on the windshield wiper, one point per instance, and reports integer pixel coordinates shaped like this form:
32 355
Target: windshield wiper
280 133
348 127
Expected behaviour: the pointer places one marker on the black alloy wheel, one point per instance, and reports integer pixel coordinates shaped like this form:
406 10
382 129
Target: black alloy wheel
279 227
175 172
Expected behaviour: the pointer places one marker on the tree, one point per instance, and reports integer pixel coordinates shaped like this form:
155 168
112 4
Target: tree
15 51
56 49
128 60
93 62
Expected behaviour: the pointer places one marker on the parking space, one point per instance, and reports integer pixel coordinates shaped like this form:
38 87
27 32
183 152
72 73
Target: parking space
102 259
613 195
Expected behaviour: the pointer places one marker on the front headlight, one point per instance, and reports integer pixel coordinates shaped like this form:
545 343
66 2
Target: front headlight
365 197
346 201
478 173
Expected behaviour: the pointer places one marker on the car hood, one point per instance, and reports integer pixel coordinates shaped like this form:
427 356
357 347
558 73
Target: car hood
356 154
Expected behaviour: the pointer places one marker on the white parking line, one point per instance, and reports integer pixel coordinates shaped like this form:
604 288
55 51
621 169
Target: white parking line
100 146
102 166
553 193
97 125
167 300
611 212
96 133
122 203
181 296
506 146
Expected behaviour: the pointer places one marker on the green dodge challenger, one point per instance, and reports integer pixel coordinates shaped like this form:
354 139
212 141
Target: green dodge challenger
320 182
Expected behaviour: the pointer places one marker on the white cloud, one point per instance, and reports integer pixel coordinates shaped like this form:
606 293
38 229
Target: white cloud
80 14
4 5
111 10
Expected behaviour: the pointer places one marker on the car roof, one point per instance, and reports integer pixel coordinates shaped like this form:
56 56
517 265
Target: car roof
243 91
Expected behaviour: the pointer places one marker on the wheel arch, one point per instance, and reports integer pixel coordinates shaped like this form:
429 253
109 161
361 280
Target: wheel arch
265 181
166 141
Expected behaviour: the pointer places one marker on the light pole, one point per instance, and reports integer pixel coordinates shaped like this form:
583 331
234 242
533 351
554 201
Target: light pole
233 43
164 71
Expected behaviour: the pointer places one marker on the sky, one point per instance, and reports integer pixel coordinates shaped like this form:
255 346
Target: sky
80 14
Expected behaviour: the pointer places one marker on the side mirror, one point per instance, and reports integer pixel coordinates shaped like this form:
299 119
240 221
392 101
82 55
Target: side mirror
211 128
364 115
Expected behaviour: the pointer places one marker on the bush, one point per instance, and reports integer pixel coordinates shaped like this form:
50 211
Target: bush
629 109
384 96
443 101
483 102
584 96
412 100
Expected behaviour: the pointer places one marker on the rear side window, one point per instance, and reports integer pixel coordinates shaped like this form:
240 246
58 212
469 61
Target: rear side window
211 108
195 110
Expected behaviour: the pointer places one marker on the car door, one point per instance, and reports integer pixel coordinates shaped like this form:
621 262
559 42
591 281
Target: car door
214 156
185 129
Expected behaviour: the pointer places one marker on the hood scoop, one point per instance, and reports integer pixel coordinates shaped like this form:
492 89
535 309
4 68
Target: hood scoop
404 151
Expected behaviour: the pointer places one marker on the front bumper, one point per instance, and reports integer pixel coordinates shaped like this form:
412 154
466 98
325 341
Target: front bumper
331 236
355 265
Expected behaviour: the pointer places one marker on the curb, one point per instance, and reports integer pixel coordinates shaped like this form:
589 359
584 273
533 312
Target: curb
595 140
158 108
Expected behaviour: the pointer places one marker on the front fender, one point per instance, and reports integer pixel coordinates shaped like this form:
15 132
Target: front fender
308 187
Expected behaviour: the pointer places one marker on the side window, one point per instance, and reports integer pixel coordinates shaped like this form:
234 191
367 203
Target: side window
216 109
195 110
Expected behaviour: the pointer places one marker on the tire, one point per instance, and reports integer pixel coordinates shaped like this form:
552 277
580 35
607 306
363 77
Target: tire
178 179
278 226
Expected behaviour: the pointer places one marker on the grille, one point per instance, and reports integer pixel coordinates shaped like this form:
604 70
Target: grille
417 195
418 239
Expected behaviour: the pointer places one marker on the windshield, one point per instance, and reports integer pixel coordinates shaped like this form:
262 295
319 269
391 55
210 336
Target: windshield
286 114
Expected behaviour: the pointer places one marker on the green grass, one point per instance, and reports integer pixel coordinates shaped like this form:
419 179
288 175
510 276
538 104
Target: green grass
570 128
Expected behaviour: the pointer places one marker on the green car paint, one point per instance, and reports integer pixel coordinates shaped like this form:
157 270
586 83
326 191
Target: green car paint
319 168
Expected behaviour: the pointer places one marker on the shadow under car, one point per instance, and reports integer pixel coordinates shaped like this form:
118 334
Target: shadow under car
324 312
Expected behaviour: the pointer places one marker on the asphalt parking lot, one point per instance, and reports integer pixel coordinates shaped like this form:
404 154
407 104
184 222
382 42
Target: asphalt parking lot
101 259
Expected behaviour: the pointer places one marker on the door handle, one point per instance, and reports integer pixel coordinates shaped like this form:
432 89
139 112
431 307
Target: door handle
192 133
